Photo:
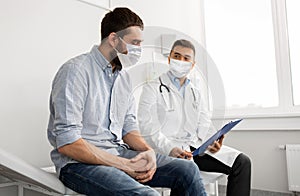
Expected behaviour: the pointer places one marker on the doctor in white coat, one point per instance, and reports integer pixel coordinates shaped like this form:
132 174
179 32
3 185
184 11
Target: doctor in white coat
174 120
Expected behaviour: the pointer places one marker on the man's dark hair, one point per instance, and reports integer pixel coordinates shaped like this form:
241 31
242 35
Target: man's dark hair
184 43
118 20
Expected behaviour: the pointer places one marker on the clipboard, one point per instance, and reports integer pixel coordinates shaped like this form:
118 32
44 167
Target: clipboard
226 128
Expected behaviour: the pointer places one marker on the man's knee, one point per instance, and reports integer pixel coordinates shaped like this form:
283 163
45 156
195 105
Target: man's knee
186 165
193 168
188 170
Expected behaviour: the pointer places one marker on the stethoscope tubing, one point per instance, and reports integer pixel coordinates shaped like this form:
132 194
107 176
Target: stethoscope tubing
162 85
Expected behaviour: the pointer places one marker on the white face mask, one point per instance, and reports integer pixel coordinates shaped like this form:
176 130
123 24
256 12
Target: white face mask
180 68
132 57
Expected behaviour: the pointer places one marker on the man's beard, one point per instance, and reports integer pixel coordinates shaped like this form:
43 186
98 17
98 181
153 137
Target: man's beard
116 62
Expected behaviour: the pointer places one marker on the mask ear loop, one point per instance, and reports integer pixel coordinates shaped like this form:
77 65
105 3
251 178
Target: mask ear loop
116 50
115 47
122 39
123 42
128 46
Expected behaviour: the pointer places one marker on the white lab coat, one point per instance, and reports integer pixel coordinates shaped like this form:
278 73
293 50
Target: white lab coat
168 120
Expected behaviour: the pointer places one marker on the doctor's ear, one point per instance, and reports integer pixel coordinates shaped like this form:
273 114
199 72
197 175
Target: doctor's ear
169 59
193 64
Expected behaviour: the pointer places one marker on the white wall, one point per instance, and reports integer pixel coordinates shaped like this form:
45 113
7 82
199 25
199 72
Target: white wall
268 161
37 36
175 14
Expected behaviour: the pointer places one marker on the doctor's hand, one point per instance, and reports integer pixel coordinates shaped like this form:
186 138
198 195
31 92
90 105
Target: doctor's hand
179 153
146 172
216 146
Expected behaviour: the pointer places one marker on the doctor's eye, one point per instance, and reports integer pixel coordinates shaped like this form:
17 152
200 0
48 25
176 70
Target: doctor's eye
177 56
187 59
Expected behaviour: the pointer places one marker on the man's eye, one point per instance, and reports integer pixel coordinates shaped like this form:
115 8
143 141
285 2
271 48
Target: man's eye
137 43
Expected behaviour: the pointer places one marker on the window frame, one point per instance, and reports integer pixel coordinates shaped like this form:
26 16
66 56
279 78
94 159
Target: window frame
286 107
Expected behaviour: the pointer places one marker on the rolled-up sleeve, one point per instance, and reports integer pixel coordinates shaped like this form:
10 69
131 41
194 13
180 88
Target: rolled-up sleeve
66 104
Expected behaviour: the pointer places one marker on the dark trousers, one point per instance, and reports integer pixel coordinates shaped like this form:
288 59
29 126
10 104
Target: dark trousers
239 175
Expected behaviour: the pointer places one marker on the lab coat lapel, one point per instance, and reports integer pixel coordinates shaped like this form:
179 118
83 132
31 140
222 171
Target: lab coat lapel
191 112
164 92
166 80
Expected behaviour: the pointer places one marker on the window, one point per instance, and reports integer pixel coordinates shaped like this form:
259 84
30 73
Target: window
254 44
240 39
292 7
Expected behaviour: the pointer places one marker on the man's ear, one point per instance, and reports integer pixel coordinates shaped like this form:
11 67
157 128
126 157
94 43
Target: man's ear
169 59
113 39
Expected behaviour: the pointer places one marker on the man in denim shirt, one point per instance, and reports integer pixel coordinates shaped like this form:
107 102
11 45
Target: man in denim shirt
98 149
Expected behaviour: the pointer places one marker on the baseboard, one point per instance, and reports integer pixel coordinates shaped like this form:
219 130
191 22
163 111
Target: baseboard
255 192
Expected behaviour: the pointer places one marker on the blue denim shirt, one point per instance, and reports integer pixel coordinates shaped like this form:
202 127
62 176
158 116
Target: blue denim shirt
89 101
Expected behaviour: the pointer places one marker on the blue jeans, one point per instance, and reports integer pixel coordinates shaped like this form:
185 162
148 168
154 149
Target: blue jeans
182 176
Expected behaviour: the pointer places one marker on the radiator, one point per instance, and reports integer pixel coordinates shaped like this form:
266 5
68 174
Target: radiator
293 166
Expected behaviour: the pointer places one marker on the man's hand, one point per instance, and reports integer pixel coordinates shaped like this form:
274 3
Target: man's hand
134 169
216 146
145 172
179 153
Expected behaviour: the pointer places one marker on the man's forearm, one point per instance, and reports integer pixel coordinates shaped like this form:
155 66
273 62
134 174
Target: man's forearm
136 141
85 152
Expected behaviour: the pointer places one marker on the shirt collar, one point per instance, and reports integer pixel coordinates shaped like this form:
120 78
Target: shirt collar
99 58
176 81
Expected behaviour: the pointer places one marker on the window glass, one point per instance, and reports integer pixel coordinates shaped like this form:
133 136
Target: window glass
293 15
240 40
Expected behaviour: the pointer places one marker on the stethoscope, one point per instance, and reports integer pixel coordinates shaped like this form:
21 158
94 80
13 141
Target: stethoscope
163 85
170 106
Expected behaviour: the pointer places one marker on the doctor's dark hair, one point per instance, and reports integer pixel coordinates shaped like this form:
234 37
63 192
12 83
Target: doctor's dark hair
118 20
184 43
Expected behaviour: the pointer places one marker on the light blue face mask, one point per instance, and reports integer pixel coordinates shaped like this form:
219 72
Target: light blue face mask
132 57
